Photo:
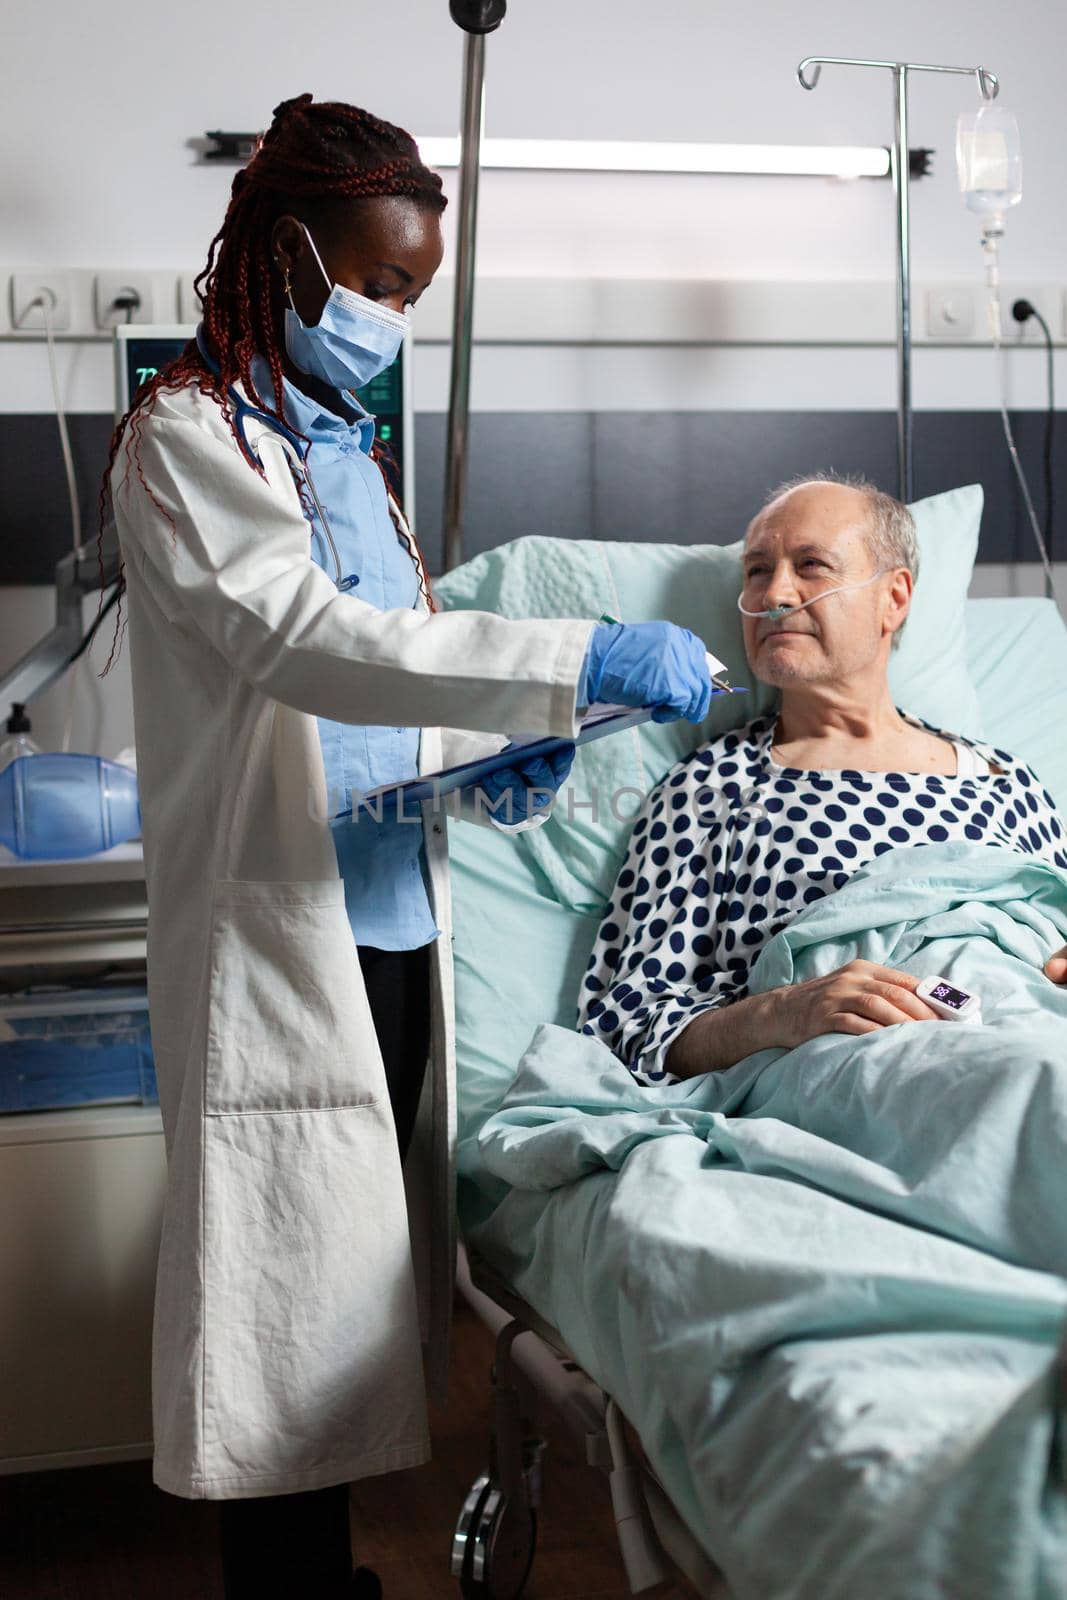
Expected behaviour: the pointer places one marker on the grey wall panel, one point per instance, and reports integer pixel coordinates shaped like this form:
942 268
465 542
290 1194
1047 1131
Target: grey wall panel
688 477
34 511
696 477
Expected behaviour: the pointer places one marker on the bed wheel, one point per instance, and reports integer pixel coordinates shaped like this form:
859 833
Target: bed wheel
493 1547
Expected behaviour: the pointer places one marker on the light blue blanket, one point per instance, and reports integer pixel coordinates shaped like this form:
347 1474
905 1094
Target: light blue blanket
827 1284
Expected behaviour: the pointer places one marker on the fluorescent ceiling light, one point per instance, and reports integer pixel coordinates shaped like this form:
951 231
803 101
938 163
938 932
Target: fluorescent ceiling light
630 155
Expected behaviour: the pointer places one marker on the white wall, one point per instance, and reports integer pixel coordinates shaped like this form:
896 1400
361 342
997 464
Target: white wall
100 107
99 103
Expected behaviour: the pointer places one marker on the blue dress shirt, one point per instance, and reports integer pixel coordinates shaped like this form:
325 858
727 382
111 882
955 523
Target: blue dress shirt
383 863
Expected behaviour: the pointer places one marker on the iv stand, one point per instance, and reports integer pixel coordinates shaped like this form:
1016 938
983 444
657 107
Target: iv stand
476 18
808 76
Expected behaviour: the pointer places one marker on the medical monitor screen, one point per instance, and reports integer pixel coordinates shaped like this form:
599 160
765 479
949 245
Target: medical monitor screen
948 996
142 354
144 358
383 397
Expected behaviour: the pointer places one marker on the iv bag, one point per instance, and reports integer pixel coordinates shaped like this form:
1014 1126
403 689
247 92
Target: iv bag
989 160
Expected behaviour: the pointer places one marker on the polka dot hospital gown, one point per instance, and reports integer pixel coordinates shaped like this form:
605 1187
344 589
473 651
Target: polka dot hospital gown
731 847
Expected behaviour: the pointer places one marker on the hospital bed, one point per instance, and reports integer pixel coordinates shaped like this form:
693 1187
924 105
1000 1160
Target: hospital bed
526 912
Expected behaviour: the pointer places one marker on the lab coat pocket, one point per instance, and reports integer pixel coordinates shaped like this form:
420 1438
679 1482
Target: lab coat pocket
289 1026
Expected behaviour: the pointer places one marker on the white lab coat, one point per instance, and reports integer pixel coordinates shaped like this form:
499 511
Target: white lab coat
287 1340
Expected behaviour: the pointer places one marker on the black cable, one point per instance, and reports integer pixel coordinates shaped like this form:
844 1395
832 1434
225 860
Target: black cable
129 301
1022 311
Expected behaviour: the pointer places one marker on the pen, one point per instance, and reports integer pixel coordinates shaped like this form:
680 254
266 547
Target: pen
715 667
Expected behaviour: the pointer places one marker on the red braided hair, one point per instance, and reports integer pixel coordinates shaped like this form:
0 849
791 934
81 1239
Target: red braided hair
312 160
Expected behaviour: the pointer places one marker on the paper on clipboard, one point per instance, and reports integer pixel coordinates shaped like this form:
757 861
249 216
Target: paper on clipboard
597 723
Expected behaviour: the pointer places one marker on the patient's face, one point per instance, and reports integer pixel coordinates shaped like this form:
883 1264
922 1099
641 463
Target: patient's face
811 540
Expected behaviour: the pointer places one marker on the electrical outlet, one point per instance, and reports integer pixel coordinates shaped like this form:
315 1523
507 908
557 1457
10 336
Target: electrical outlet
108 287
1043 298
950 313
27 290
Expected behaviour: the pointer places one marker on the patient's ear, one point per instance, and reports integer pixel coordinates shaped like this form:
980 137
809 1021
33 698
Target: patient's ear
898 600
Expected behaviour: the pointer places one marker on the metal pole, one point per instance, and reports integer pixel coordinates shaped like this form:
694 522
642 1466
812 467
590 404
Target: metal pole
463 301
901 181
477 18
808 73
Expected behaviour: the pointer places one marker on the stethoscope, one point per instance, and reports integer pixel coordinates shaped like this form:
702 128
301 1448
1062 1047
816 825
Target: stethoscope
292 443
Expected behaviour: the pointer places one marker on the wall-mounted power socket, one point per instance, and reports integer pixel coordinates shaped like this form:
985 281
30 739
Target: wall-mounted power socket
950 312
31 292
1044 298
123 297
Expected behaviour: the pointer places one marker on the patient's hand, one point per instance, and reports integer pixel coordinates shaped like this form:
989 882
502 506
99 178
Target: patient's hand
1056 966
858 998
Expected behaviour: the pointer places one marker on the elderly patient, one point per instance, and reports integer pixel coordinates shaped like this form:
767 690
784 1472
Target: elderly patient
755 826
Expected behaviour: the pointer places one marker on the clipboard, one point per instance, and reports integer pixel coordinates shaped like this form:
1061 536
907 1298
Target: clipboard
598 723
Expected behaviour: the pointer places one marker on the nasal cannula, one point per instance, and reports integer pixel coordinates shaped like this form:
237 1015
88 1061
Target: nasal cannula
774 613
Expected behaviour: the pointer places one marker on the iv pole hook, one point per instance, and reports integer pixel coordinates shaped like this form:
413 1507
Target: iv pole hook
808 73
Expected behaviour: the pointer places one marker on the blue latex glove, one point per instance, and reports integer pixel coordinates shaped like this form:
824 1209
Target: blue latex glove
517 785
648 664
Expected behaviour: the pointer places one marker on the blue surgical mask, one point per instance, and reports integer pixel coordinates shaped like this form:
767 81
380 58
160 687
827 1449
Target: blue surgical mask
353 340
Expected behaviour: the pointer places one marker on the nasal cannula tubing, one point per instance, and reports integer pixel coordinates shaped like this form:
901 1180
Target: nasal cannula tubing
774 613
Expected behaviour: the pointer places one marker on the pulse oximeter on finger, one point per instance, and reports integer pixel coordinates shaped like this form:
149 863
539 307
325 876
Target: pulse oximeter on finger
949 1001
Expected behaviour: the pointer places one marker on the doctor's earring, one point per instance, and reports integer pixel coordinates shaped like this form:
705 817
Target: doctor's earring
287 284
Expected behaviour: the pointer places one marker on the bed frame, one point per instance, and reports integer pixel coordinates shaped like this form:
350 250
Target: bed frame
495 1538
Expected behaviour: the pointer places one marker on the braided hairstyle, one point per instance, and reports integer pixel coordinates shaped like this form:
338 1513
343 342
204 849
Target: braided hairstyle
314 160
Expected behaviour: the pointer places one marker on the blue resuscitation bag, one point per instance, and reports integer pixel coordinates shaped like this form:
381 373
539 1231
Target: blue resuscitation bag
55 806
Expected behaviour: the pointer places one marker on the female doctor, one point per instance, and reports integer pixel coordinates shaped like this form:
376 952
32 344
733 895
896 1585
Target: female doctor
286 652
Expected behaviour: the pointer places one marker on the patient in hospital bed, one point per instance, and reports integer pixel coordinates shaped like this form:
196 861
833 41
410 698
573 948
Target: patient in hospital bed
757 826
817 1259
